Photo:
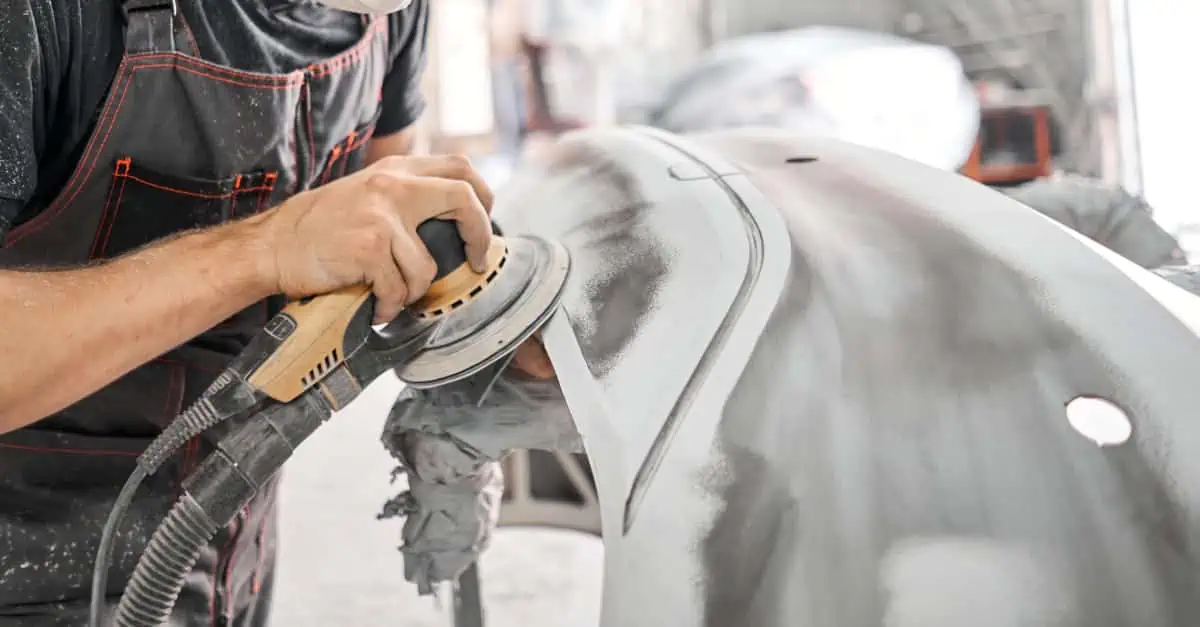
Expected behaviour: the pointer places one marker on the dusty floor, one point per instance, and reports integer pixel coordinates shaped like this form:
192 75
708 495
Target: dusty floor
339 565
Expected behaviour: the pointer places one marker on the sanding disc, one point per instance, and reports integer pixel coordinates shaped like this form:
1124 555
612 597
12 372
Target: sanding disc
492 324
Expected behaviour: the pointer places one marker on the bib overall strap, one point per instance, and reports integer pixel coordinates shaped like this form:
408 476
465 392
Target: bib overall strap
149 25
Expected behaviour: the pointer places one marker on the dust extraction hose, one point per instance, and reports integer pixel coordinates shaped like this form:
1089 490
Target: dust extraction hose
170 556
197 419
245 459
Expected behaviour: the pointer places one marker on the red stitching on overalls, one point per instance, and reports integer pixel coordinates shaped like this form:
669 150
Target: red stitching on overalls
269 182
329 67
68 451
333 158
112 211
237 191
264 189
81 175
108 119
127 70
342 151
116 209
349 56
223 79
362 139
179 61
345 160
104 215
291 79
344 155
184 192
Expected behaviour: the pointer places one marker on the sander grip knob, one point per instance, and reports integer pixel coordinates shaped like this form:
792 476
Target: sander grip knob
445 245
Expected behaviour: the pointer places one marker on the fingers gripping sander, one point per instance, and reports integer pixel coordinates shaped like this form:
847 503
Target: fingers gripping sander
463 323
312 359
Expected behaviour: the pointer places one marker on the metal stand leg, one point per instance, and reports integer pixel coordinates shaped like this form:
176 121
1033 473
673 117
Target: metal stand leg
525 508
468 599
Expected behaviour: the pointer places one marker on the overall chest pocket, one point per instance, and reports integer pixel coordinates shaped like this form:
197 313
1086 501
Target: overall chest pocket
350 154
144 204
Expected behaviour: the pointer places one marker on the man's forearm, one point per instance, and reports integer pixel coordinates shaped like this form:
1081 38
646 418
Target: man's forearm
67 333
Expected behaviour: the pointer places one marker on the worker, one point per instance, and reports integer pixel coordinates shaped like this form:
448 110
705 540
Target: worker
171 171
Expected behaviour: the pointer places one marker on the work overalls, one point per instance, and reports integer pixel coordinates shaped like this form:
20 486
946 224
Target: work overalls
180 143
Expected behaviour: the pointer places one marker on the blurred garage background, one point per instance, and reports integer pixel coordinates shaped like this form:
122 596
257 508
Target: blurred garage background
1097 88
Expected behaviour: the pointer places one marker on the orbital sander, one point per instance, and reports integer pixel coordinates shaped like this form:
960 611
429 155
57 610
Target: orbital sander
310 360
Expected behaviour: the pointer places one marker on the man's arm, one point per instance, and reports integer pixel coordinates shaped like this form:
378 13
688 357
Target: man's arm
66 333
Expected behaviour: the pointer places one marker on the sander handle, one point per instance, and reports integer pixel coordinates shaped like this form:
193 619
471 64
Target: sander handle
444 244
313 335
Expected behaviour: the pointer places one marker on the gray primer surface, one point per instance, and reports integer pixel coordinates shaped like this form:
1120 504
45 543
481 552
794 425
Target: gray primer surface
917 468
891 446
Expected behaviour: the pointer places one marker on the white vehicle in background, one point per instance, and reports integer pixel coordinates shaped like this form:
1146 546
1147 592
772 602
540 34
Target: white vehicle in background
873 89
887 92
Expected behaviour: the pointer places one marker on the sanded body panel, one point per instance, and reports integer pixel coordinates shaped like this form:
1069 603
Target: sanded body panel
861 366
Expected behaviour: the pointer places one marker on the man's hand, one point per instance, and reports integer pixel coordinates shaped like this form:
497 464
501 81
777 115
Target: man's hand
363 229
532 361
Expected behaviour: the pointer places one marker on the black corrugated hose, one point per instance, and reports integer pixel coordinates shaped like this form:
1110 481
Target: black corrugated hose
170 556
245 459
197 419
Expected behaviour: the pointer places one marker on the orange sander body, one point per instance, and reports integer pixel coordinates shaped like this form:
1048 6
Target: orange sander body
468 320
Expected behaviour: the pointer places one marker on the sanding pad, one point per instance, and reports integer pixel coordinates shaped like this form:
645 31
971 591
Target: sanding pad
513 305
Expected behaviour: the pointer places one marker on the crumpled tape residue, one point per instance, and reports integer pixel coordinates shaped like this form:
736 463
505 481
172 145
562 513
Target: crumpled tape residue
449 448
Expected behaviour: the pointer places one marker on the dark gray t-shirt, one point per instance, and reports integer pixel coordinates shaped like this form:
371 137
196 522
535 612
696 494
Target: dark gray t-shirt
58 58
